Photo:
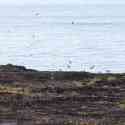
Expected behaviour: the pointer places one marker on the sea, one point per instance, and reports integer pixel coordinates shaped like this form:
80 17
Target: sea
64 37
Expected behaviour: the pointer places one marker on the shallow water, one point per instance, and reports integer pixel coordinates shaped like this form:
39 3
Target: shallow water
64 37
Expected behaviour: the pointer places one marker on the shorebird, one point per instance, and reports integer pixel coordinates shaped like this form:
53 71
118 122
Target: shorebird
68 66
108 71
70 62
37 14
92 67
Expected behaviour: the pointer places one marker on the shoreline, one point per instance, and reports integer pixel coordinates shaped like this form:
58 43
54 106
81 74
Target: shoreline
31 97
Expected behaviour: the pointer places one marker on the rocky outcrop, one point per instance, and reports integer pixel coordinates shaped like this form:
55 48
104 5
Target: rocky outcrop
14 68
61 98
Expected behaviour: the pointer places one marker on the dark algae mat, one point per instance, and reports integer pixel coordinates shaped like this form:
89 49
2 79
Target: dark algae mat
30 97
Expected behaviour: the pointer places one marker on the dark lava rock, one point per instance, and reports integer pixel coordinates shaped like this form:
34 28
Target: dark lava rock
31 97
13 68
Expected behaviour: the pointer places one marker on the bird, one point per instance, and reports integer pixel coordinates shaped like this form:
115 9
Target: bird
60 70
92 67
68 66
108 71
37 14
70 62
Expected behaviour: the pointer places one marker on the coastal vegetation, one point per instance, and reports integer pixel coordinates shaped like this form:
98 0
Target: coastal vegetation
69 98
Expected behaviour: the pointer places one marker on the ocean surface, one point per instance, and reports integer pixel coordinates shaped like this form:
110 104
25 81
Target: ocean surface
64 37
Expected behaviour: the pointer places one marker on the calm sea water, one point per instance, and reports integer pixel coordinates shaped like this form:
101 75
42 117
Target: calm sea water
64 37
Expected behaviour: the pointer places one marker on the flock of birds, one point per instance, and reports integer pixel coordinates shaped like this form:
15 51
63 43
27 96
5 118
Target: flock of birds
69 64
90 68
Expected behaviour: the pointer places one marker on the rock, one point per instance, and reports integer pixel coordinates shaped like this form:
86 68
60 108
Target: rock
38 97
13 68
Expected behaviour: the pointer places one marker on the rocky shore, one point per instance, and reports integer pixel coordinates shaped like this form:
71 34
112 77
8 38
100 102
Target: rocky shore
30 97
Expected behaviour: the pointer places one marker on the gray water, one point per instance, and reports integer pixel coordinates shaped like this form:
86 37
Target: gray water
43 37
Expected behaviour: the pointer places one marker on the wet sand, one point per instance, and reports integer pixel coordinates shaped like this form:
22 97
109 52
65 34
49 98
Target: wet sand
31 97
